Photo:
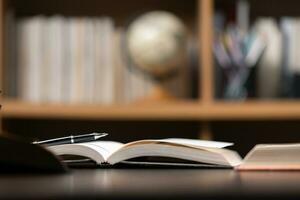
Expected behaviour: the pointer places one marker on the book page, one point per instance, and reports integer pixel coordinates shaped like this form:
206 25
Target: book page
197 143
171 150
98 151
105 148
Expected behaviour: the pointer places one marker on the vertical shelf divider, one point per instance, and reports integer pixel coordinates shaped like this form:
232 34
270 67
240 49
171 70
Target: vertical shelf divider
205 18
205 31
2 5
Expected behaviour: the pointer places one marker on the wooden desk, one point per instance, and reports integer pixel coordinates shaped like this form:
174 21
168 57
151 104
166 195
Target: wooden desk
152 183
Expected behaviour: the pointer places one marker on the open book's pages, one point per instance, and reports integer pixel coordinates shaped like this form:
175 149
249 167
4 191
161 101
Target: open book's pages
109 152
272 157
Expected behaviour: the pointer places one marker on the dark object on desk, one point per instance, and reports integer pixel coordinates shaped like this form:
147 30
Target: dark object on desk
72 139
17 155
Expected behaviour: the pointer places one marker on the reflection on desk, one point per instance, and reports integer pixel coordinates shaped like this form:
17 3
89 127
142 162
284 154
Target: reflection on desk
147 183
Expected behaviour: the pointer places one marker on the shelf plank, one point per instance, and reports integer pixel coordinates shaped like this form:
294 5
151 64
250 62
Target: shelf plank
256 110
137 111
192 110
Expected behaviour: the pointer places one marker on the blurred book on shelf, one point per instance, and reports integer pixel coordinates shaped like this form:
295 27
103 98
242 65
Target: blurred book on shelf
257 59
290 30
59 59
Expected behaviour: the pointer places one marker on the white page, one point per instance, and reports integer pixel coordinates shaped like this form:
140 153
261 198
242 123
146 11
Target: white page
105 148
197 143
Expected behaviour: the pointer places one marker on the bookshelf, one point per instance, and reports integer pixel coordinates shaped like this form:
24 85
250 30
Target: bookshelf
205 109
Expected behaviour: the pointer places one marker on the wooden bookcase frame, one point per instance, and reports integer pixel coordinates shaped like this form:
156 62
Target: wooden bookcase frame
206 109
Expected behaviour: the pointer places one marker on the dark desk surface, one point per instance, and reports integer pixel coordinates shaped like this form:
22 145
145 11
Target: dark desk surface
151 183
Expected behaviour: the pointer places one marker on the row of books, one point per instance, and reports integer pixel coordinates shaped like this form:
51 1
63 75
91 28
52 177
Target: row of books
61 59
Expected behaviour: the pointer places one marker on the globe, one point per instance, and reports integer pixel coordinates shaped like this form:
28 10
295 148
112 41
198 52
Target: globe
156 42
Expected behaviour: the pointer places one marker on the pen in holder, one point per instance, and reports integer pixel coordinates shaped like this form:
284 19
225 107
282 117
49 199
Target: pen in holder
237 54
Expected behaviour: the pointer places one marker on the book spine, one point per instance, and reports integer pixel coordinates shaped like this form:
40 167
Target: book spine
55 61
104 63
98 84
270 62
67 60
10 67
119 68
30 55
76 44
108 66
88 61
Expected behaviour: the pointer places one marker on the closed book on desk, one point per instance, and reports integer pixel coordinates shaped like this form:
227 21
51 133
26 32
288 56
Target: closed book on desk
272 157
167 152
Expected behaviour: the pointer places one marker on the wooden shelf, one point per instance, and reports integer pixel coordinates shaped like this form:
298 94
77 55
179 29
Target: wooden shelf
150 111
251 110
255 110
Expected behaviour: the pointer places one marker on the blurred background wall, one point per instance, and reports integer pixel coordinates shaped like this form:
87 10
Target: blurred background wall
210 69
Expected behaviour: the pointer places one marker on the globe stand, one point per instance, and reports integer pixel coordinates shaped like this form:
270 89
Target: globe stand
157 94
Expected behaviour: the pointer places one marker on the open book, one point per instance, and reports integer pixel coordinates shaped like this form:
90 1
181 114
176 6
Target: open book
172 151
